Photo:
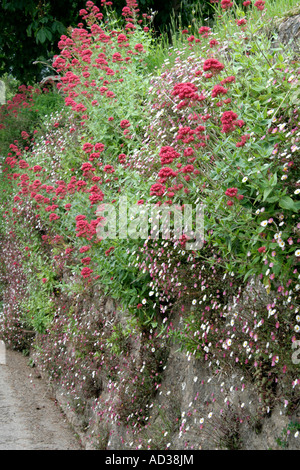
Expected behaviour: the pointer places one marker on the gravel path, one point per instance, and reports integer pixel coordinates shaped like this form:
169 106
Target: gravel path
30 419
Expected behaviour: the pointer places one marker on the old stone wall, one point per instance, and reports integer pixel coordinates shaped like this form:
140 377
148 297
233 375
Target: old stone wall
2 93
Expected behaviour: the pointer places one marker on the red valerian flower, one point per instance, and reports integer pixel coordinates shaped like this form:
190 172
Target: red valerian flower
157 189
262 249
86 260
228 80
85 167
212 65
122 158
109 169
185 90
167 172
124 124
204 31
244 138
218 90
229 121
231 192
99 147
187 169
85 248
87 147
139 47
260 4
109 250
23 164
53 216
122 38
37 168
188 152
213 42
86 272
167 155
226 4
241 22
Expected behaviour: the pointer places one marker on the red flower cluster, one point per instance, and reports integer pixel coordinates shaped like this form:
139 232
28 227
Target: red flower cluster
241 22
204 31
260 4
157 189
212 65
225 4
229 121
107 253
218 90
84 228
243 140
167 155
231 192
186 91
165 173
124 124
86 272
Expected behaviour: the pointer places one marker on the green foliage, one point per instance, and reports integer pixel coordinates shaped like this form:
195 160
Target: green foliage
247 176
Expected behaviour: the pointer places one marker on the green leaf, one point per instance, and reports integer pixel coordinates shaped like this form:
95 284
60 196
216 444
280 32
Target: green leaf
248 274
273 180
267 191
273 199
287 202
41 36
297 206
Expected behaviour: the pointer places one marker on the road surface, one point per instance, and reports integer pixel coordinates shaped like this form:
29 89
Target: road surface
30 419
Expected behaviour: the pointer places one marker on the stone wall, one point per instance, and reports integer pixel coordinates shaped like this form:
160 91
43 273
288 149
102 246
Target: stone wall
2 93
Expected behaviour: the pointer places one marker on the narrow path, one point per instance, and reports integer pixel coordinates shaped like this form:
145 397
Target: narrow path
29 418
